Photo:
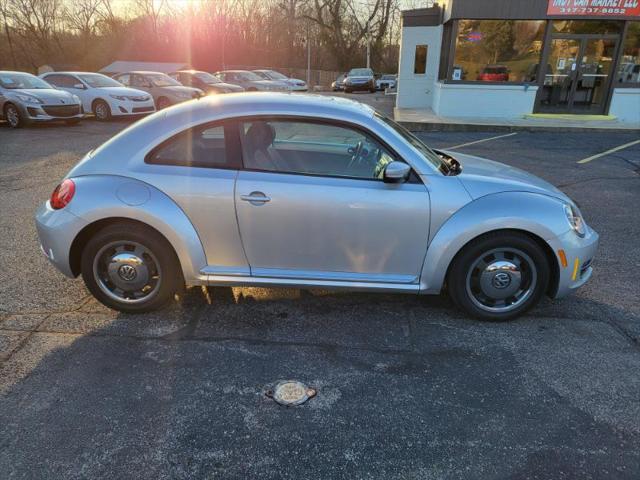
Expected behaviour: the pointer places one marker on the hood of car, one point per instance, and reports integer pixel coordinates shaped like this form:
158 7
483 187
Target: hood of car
484 177
49 96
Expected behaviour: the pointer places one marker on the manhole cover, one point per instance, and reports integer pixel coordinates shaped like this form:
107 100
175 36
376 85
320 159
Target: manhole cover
291 393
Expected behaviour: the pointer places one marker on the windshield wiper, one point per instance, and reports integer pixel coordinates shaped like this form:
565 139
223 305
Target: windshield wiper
453 166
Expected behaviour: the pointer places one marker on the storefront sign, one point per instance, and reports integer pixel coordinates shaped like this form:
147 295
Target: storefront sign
597 8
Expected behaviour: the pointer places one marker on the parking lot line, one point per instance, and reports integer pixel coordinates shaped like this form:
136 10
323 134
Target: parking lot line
608 152
481 141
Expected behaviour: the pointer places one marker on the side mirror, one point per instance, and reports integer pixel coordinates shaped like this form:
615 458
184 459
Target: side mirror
396 172
79 86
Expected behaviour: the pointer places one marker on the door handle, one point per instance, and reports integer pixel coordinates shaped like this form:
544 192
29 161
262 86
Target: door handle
255 198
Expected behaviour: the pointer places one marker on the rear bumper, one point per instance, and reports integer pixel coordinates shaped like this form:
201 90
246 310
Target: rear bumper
579 253
57 229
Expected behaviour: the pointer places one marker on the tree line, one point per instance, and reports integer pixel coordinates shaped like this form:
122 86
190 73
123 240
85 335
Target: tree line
208 34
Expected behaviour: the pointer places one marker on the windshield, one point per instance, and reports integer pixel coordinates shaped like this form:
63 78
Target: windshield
207 78
273 75
162 80
361 72
16 81
95 80
429 155
248 76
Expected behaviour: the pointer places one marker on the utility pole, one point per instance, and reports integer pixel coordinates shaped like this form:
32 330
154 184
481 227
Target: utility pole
308 57
368 49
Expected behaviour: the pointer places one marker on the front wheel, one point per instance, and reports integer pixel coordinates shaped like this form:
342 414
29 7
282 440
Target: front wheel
499 276
131 268
102 111
13 117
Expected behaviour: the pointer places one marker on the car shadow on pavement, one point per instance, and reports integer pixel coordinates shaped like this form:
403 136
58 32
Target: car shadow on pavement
407 387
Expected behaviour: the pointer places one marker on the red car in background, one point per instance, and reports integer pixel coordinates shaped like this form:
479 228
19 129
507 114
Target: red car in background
494 73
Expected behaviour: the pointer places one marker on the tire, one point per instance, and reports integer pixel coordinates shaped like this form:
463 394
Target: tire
13 117
131 268
163 103
102 111
499 276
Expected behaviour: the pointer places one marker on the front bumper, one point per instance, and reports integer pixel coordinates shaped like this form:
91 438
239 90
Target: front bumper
120 108
50 113
57 230
579 254
355 87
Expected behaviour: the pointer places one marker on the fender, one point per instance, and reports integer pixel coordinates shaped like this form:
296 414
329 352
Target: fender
539 214
100 197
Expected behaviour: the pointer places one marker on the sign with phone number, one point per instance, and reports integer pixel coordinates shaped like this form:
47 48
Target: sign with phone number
602 8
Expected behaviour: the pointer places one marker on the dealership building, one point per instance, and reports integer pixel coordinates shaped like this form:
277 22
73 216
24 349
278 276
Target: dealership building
513 58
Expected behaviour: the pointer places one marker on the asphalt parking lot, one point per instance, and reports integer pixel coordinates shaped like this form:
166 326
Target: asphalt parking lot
408 387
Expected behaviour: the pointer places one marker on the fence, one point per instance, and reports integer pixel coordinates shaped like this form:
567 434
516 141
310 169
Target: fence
323 78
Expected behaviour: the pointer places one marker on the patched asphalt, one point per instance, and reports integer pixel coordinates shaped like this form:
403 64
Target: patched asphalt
408 387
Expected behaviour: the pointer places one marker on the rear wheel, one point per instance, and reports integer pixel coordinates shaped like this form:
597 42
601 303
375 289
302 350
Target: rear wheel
13 117
163 102
101 110
499 276
131 268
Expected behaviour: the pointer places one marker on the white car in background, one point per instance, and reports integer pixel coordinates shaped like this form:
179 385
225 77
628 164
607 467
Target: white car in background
101 95
386 81
294 84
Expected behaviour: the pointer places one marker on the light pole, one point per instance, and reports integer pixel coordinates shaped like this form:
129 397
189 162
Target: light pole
308 57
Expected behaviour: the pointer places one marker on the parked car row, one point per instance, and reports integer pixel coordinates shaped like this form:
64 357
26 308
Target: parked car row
363 79
68 96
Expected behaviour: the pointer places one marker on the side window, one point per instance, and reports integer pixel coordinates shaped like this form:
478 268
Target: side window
124 79
64 81
139 81
420 60
204 147
312 148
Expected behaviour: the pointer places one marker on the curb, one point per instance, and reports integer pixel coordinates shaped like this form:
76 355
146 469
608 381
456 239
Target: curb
470 127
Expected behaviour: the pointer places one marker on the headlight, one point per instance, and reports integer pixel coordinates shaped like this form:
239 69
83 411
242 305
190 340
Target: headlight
574 217
28 98
122 98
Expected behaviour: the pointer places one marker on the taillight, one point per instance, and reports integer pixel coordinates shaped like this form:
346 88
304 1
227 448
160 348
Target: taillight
62 194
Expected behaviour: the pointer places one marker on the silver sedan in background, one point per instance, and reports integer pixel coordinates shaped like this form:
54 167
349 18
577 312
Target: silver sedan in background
166 91
26 99
270 189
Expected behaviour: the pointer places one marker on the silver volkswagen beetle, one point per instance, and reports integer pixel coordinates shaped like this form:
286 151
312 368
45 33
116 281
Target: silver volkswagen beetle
269 189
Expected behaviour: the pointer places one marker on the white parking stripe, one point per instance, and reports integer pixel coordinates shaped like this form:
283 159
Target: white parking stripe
608 152
481 141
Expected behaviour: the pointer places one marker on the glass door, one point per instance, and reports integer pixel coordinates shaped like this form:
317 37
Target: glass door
560 77
578 75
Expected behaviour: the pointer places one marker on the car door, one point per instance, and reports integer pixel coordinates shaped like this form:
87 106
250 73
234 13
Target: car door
197 169
311 205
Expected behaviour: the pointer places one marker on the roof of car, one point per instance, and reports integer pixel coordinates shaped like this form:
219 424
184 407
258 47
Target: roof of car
278 102
140 72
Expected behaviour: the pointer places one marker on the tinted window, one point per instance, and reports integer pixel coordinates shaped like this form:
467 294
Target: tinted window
64 81
312 148
420 61
124 79
139 81
200 147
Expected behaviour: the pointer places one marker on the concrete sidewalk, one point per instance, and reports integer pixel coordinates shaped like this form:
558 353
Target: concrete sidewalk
427 120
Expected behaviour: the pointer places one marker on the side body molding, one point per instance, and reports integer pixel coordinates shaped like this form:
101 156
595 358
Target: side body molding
99 197
538 214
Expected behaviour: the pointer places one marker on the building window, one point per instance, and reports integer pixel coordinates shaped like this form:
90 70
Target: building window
420 62
629 67
498 50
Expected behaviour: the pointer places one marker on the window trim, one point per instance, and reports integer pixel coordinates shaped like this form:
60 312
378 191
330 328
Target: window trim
413 177
231 143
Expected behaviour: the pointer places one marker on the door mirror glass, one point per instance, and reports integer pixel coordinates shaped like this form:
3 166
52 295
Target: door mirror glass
397 172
